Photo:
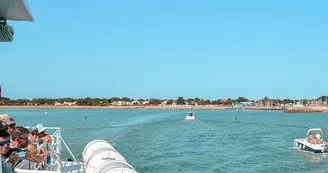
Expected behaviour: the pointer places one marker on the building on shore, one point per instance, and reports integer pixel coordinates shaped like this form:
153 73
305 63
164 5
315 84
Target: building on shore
323 100
65 103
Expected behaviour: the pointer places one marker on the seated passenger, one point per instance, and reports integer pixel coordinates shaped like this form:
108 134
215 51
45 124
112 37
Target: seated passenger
318 139
42 133
311 139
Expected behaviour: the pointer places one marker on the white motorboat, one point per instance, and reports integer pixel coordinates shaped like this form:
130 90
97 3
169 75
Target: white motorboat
313 141
190 116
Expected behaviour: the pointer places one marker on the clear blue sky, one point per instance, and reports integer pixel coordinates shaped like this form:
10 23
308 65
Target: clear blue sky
169 48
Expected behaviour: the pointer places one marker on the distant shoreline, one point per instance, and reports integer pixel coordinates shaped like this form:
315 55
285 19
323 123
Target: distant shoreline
316 108
117 107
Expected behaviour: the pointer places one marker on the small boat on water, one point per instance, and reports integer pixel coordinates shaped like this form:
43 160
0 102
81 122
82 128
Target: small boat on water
190 116
313 141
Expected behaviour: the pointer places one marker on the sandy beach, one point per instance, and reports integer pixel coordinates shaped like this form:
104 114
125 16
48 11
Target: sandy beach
263 108
321 108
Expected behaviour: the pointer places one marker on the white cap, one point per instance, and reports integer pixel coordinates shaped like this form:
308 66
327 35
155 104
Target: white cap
318 136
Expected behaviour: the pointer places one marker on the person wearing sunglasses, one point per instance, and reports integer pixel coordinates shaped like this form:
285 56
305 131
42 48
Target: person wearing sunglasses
4 148
20 146
18 142
4 143
4 139
34 146
33 138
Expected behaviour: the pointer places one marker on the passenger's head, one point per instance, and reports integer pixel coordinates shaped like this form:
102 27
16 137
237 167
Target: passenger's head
33 134
20 137
4 142
33 131
41 130
318 136
9 121
310 136
4 138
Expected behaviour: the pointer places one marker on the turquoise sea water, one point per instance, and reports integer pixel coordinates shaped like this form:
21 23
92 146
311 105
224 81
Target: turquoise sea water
162 141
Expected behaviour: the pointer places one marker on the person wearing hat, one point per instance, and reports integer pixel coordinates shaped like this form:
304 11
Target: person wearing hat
42 133
34 144
34 147
9 121
45 139
20 145
33 137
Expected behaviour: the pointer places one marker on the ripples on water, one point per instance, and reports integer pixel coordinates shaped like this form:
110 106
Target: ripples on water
217 141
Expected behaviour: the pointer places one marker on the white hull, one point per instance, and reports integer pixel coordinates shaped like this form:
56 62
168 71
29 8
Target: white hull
304 145
190 117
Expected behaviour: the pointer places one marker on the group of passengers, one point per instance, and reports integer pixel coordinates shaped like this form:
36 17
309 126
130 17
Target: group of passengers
19 143
315 139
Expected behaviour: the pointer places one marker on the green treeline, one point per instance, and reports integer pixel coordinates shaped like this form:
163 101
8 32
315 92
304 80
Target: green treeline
126 101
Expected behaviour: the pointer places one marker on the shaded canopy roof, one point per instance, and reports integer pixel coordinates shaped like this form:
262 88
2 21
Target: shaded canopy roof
15 10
